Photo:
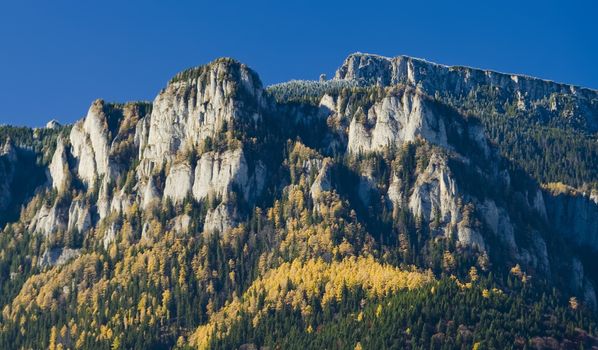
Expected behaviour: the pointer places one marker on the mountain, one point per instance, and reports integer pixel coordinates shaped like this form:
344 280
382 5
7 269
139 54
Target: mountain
401 204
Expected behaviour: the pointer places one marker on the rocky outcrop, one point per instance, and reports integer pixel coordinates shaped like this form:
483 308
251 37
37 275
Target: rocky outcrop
121 202
216 173
322 183
49 219
179 182
196 105
388 118
436 198
220 219
398 118
89 140
59 168
58 256
435 191
110 235
191 113
499 223
53 124
79 217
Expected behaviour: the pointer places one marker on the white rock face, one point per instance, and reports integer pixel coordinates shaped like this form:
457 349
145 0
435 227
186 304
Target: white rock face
396 119
322 182
109 236
179 182
89 140
470 237
121 202
217 172
8 150
59 167
220 219
195 106
359 138
83 152
394 193
96 126
79 217
103 202
188 111
327 103
435 193
48 220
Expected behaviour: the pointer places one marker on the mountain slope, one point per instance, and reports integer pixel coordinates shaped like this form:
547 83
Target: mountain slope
152 221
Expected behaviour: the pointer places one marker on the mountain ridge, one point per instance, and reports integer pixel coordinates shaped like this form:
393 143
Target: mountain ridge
523 75
185 203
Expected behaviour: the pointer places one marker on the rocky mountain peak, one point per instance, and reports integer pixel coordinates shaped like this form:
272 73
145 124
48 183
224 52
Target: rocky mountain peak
225 69
89 140
197 105
53 124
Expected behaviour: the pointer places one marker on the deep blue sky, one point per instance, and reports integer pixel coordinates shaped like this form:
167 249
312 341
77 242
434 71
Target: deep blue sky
58 56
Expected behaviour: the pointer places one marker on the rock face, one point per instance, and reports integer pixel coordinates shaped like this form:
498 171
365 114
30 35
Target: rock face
435 197
59 171
197 105
79 217
89 140
398 115
215 173
58 256
220 219
398 118
192 113
48 220
322 182
179 182
181 223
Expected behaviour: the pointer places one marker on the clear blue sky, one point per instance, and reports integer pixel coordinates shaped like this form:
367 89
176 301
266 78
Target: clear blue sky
58 56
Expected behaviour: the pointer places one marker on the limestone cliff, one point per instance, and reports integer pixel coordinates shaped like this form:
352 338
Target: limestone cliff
391 152
433 79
